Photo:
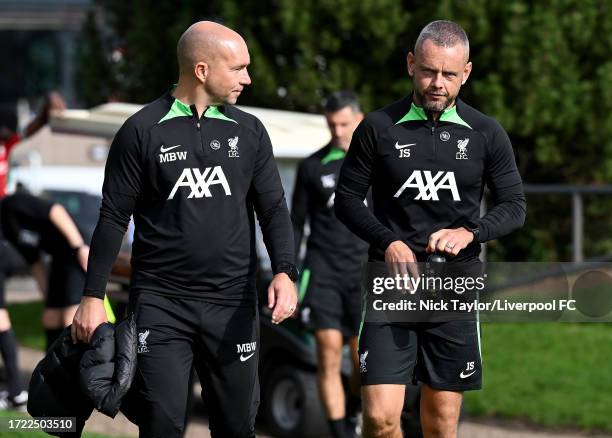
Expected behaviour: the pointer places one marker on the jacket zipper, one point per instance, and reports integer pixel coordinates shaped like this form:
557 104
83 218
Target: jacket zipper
199 127
433 138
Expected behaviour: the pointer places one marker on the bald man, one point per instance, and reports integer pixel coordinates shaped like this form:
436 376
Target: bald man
193 170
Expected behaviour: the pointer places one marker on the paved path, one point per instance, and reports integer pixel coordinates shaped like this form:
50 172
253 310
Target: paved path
21 290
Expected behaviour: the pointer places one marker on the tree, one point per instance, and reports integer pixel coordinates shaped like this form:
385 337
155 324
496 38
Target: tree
93 67
543 69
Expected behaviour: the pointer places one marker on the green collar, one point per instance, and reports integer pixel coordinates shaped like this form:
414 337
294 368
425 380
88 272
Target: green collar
212 112
335 153
180 109
449 115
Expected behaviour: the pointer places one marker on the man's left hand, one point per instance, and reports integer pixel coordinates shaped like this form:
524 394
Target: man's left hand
449 241
282 297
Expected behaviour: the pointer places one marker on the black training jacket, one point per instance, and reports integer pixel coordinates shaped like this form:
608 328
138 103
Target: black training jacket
74 379
428 175
313 201
192 184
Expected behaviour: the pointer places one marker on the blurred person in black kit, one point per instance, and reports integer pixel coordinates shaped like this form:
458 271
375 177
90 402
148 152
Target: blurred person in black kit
31 226
330 291
10 260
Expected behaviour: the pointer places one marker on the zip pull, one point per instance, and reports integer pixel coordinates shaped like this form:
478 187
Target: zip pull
432 129
198 124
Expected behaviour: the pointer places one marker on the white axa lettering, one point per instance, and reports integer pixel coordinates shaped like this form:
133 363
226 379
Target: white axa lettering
172 156
428 190
246 348
200 182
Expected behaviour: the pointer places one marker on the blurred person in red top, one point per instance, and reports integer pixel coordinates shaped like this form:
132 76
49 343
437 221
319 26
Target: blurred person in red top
9 138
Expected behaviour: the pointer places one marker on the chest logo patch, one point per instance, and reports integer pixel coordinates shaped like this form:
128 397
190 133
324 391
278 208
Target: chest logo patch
403 150
444 136
199 182
233 145
429 184
462 152
166 156
328 181
215 145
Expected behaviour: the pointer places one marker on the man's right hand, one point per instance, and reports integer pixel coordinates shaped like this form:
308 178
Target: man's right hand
88 317
400 259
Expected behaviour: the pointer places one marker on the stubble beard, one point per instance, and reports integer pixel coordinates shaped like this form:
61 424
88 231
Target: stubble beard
431 106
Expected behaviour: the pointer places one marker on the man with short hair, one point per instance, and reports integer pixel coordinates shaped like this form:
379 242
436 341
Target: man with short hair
193 170
427 158
330 292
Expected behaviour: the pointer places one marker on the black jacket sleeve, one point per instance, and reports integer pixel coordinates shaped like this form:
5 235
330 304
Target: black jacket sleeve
268 199
299 205
353 186
504 182
119 194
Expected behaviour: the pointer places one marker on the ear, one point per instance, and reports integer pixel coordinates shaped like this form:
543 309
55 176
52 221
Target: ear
201 71
410 60
466 72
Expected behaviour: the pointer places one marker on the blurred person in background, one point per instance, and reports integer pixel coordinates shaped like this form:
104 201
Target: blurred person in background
10 260
330 289
15 396
9 137
34 226
427 158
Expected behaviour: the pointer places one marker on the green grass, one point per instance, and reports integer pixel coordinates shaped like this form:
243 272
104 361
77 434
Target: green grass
32 433
549 374
25 318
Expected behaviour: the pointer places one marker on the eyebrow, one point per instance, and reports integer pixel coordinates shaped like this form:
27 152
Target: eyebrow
430 68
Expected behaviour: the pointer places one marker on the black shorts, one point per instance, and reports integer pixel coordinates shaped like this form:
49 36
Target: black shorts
443 355
66 282
330 300
11 262
222 342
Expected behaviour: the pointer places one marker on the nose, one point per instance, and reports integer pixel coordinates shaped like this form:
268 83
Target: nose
336 131
246 79
437 80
